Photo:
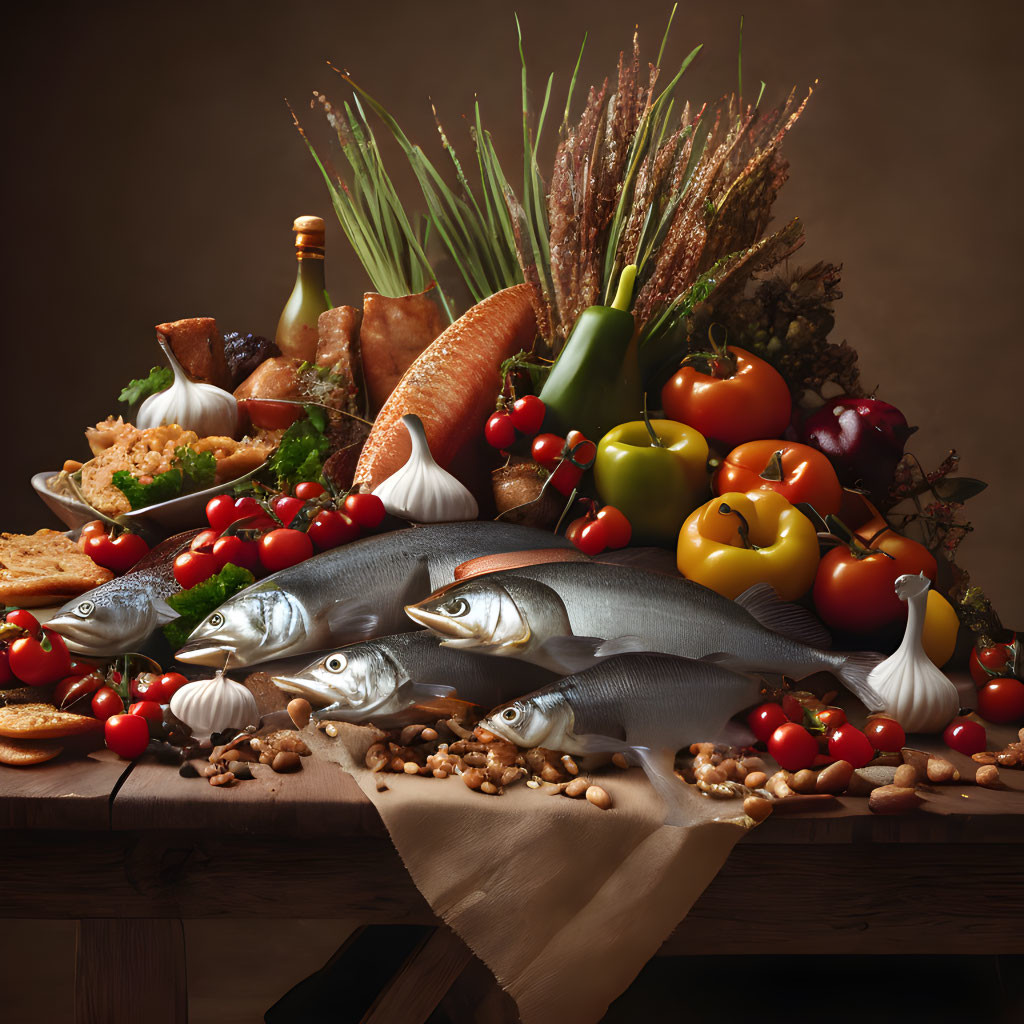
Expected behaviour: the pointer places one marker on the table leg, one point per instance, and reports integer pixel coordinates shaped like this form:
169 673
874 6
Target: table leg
129 971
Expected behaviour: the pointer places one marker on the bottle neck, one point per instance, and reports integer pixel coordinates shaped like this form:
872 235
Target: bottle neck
310 269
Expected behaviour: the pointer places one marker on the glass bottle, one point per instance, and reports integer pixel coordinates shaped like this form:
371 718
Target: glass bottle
297 329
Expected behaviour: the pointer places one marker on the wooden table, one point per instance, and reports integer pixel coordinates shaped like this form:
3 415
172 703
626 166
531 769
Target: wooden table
131 851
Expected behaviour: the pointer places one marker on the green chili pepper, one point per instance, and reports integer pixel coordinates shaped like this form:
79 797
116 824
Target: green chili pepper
595 382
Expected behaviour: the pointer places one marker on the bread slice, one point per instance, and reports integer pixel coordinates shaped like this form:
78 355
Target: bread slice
23 753
43 722
199 347
45 568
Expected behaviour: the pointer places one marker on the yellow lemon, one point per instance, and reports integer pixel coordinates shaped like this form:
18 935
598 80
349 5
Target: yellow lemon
940 628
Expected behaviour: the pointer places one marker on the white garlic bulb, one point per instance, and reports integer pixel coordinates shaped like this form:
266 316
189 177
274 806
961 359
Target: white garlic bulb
206 409
421 490
210 705
913 690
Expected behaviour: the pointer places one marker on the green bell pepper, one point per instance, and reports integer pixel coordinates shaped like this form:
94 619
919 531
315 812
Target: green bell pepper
595 381
655 477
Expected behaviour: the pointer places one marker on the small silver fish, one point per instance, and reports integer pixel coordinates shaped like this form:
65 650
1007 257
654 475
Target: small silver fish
407 677
351 593
564 616
646 706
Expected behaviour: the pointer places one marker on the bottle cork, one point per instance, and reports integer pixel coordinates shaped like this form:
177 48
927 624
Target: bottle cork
309 232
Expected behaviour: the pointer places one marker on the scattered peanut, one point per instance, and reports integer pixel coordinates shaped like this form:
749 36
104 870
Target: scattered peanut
710 774
428 735
987 775
893 800
757 807
411 768
577 787
300 711
473 777
940 770
778 785
286 761
488 787
906 775
599 797
570 765
619 761
223 779
834 778
209 770
409 734
331 729
804 781
755 780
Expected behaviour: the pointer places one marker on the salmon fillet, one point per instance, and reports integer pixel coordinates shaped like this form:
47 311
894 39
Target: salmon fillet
451 385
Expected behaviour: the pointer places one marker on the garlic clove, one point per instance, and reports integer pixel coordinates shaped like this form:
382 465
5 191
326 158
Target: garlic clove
208 410
421 490
211 705
914 691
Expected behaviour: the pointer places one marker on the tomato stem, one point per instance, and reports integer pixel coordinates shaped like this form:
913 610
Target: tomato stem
656 442
773 472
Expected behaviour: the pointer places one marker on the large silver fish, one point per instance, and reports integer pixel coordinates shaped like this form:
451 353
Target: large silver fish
564 616
646 706
348 594
122 614
407 677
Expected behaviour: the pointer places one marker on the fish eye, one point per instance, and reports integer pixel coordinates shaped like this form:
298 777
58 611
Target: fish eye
511 714
336 663
85 608
456 607
216 619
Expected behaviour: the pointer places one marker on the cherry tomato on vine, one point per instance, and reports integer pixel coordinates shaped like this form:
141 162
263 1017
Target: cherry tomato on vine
793 746
127 735
589 534
145 686
224 510
1002 701
367 510
24 619
283 548
148 709
170 683
885 734
616 526
965 736
848 743
286 508
331 528
38 661
765 719
499 430
546 450
528 414
204 540
243 553
193 567
93 528
75 687
308 489
118 554
793 709
106 702
831 718
992 662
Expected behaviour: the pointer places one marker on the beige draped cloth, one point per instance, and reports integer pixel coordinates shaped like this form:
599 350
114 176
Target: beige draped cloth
564 902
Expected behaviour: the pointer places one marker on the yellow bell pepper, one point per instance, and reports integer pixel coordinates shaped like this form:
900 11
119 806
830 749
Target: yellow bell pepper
737 540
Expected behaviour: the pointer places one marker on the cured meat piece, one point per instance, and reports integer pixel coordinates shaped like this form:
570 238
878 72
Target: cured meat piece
273 378
198 346
338 350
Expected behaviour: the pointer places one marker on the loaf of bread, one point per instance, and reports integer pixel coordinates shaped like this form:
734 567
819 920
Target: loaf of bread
45 568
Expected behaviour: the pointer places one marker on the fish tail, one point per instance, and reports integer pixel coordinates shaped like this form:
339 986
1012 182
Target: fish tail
854 670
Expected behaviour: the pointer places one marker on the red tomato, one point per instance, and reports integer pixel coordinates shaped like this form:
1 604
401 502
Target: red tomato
286 508
793 747
39 661
283 548
858 594
97 526
127 735
793 709
499 430
1002 701
75 687
148 709
224 510
848 743
118 554
965 736
547 449
799 473
734 405
528 414
831 718
266 414
765 719
243 553
170 684
331 528
204 540
616 526
145 686
366 510
588 534
308 489
580 449
993 662
107 702
24 619
885 734
194 567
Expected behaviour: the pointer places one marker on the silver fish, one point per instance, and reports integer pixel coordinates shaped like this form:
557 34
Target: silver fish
348 594
646 706
122 614
401 677
564 616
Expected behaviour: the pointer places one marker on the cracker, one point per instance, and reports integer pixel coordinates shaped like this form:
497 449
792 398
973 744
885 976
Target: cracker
43 722
45 568
22 753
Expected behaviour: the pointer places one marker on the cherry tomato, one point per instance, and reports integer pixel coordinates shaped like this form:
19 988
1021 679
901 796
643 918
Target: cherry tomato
858 594
765 719
75 687
528 414
148 709
588 534
1002 701
39 661
308 489
224 510
366 510
547 449
95 527
848 743
170 683
565 477
193 567
286 508
965 736
280 549
204 540
993 662
831 718
793 709
734 404
499 430
267 414
796 471
616 526
118 554
243 553
580 449
106 702
331 528
145 686
885 734
24 619
126 735
792 746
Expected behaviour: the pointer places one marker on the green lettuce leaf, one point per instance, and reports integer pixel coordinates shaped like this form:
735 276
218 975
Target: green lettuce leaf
194 605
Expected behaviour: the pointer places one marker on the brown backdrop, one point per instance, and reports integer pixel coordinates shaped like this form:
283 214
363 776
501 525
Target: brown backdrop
151 172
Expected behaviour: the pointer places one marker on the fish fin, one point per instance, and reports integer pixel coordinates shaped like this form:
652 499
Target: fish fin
428 691
659 767
783 617
444 707
594 743
508 560
622 645
854 672
163 612
570 654
352 619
